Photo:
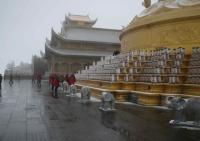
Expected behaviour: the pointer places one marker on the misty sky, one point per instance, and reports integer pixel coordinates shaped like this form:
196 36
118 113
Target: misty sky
24 24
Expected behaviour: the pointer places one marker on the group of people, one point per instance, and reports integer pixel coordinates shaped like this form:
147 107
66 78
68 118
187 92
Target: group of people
56 80
11 82
37 78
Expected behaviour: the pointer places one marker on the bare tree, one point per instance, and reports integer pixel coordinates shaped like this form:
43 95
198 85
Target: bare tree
10 65
39 64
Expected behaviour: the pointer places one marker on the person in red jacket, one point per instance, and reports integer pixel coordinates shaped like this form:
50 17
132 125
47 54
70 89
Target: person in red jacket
71 79
51 79
56 85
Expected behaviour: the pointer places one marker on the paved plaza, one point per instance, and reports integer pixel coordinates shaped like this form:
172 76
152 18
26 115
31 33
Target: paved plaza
28 113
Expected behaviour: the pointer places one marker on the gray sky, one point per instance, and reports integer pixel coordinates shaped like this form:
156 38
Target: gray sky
24 24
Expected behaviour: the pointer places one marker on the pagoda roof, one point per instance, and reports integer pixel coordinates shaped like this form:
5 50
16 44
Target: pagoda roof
70 52
84 18
90 35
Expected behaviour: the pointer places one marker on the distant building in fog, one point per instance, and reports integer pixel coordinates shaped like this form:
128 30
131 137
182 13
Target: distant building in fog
24 70
39 64
79 44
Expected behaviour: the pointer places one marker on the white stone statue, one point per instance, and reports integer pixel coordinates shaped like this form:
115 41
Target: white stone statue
73 90
107 102
146 3
162 5
85 93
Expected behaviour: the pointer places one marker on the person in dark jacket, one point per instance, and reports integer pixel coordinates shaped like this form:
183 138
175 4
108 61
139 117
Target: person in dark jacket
0 80
11 80
39 78
33 79
56 85
116 52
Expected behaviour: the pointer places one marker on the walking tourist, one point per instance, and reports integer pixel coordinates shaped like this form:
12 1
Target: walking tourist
0 80
56 85
71 79
71 82
33 79
39 78
11 80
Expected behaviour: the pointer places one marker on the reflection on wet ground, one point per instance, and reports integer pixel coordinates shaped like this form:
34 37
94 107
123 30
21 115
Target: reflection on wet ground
31 114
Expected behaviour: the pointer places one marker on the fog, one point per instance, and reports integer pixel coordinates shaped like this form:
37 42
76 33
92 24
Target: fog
26 23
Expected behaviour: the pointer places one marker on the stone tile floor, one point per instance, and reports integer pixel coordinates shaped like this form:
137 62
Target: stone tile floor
28 113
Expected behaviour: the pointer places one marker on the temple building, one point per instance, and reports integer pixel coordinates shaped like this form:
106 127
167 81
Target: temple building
79 44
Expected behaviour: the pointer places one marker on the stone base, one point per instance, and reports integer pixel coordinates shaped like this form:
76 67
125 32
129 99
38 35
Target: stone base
149 99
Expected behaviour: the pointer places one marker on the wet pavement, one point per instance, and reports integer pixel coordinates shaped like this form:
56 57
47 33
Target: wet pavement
28 113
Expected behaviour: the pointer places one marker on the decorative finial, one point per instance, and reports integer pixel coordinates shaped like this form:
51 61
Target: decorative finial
146 3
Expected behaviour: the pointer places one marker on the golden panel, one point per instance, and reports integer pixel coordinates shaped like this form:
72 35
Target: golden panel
185 34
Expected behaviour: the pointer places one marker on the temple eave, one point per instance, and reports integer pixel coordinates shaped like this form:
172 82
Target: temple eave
54 34
73 53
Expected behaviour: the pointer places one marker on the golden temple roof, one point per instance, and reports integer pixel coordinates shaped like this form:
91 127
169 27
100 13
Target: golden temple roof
165 11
